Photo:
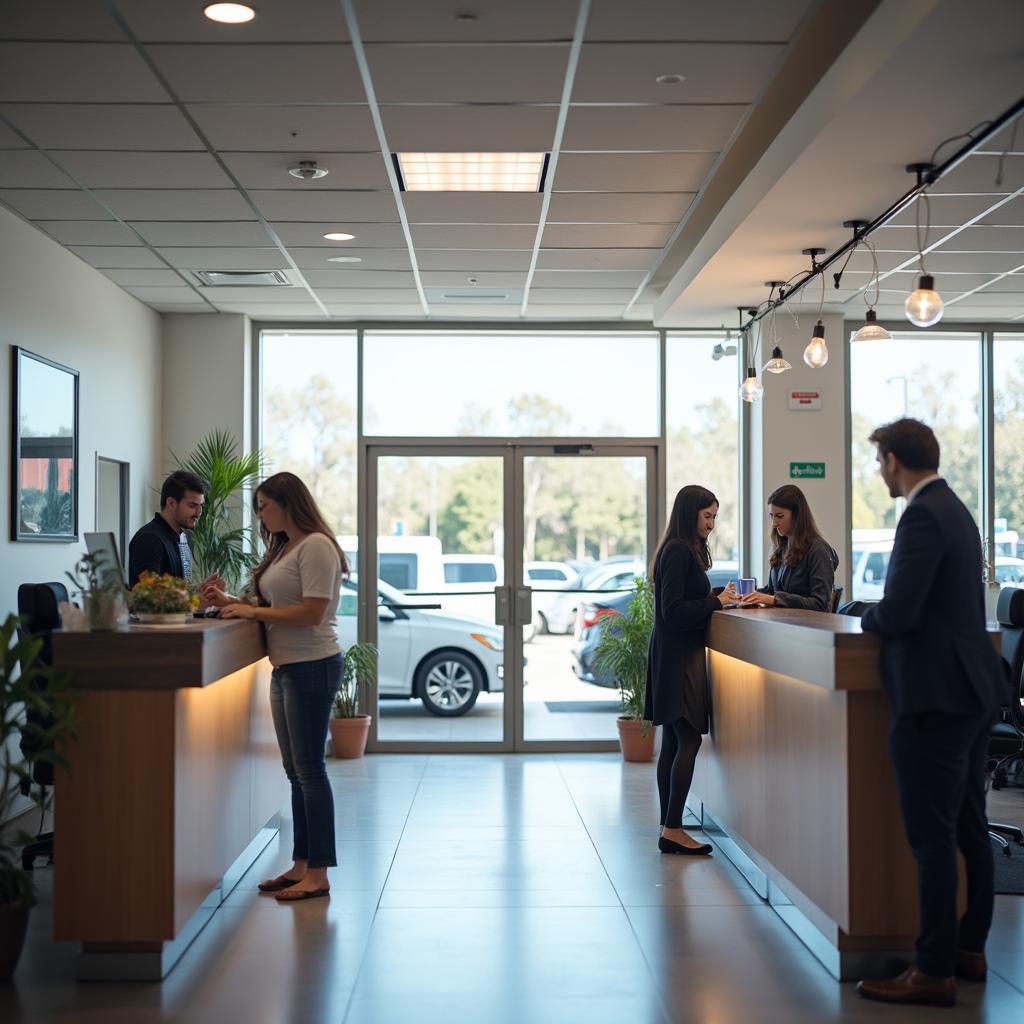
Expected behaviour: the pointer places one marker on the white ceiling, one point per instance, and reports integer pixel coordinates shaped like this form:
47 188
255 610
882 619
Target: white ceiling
153 143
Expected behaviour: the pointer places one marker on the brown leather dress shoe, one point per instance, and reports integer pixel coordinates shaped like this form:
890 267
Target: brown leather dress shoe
971 966
911 987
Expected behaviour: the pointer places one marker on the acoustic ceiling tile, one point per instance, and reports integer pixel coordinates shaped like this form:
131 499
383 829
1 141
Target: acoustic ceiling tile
239 259
365 311
597 259
629 207
415 21
260 310
471 311
103 126
693 128
345 170
60 19
362 279
323 204
470 129
588 279
588 311
117 257
53 203
615 236
205 232
978 174
142 169
473 207
144 277
319 258
10 139
267 73
472 260
468 74
642 172
88 232
295 128
698 20
484 279
176 204
150 293
232 293
582 297
376 296
366 235
25 168
713 72
474 236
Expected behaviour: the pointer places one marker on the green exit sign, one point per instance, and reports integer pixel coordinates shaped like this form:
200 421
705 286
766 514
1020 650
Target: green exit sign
807 471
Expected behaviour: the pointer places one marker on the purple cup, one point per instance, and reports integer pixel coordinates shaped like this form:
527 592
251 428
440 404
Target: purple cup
745 586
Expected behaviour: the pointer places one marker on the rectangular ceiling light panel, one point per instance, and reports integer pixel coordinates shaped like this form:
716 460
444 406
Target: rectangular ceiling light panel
471 172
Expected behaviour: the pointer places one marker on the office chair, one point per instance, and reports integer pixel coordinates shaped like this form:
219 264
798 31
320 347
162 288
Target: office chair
837 596
1006 746
38 603
854 608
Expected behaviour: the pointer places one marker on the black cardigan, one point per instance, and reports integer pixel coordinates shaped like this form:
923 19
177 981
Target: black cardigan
808 584
677 681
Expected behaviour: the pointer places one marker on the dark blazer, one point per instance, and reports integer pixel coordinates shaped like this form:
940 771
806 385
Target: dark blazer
936 653
677 680
808 584
154 548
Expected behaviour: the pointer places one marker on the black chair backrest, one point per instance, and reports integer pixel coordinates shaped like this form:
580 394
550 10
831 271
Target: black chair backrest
855 608
837 596
1010 614
38 604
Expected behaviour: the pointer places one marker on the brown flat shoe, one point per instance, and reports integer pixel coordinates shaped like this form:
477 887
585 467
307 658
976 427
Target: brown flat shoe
294 895
277 884
913 986
971 966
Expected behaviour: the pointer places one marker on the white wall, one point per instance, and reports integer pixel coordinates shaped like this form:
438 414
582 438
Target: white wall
780 436
55 305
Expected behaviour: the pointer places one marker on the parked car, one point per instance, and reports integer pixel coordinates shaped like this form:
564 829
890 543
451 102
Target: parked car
442 660
592 617
869 568
547 579
608 577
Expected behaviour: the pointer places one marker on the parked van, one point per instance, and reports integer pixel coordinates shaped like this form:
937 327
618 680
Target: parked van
410 564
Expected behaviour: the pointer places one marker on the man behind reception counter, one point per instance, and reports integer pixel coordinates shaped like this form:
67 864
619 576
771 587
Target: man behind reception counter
945 681
161 546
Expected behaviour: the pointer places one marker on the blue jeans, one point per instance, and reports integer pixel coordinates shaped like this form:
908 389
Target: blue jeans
300 700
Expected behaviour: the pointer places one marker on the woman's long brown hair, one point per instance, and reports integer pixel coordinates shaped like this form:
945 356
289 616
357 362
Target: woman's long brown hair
682 525
804 532
292 494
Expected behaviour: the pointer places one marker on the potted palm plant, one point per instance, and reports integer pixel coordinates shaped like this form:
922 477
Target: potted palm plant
220 542
622 652
35 705
349 729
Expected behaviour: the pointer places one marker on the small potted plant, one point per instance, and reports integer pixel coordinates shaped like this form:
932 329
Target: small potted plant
44 694
349 729
162 600
622 651
101 591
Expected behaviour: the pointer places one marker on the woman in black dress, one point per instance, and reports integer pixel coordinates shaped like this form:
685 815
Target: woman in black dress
677 681
803 564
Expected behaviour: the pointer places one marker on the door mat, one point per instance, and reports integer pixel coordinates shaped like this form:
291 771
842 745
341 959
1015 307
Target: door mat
583 707
1009 870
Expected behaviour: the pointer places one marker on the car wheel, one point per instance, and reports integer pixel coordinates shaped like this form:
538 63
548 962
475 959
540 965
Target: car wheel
448 683
540 624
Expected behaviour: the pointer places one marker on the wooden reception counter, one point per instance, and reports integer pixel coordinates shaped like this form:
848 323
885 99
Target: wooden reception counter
173 788
796 774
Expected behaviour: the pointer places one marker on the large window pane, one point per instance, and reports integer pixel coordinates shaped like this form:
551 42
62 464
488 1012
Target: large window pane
308 416
934 377
1009 453
702 403
491 384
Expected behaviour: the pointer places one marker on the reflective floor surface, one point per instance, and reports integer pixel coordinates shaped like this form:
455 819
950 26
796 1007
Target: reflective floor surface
495 889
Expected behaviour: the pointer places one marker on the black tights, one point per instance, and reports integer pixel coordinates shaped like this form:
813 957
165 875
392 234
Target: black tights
679 745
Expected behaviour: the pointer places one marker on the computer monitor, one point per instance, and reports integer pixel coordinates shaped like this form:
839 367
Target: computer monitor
106 545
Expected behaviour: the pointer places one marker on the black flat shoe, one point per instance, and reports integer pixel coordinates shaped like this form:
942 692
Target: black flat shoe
667 846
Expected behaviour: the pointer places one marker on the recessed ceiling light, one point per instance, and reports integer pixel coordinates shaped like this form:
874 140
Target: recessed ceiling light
230 14
339 236
344 259
670 79
471 172
307 170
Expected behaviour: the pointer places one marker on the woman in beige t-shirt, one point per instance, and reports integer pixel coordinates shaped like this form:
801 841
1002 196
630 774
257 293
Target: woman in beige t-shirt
297 586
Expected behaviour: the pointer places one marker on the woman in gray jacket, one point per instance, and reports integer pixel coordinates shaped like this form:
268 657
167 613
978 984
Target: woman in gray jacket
803 564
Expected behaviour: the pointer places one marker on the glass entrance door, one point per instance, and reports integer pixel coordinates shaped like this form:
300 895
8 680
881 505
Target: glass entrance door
490 569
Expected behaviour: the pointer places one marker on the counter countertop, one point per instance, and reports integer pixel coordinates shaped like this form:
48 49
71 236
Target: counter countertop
146 657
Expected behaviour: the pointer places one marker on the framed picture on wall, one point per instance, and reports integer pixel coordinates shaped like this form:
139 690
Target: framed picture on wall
44 449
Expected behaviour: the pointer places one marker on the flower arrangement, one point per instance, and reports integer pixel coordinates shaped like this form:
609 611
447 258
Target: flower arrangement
162 595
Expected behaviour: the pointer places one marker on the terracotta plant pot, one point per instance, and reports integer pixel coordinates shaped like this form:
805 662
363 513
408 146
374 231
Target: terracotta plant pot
635 745
13 924
348 735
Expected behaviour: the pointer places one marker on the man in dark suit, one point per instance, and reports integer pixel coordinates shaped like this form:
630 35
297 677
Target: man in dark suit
161 546
946 682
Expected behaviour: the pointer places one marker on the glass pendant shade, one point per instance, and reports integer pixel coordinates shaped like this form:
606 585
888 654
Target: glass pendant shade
777 364
816 353
751 389
924 306
872 329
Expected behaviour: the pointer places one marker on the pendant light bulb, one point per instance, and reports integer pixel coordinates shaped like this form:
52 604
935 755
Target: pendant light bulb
777 364
751 389
924 306
816 353
872 329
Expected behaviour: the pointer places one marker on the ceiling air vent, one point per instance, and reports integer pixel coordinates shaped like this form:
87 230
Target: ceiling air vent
475 296
243 278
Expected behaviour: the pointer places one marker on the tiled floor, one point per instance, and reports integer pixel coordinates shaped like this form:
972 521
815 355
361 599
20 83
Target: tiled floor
494 889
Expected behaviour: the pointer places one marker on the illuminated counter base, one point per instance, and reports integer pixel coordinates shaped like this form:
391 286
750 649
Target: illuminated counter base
174 789
796 781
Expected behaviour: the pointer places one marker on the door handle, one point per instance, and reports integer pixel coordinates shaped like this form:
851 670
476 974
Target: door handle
524 605
503 606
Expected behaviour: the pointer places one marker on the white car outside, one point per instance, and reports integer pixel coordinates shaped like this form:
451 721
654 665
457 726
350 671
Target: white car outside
547 579
443 661
605 577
